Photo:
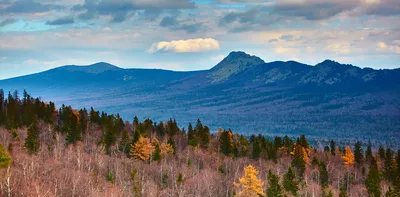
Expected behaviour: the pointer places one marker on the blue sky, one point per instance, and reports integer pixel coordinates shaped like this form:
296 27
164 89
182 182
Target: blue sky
36 35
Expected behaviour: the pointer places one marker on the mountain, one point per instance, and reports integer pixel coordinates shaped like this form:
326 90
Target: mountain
242 92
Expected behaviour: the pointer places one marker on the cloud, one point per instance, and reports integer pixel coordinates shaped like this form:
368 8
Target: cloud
7 22
313 9
27 6
120 10
169 21
395 48
383 7
186 46
61 21
172 23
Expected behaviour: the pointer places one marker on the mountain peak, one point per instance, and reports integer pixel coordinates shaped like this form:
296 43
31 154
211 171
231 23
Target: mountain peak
95 68
234 63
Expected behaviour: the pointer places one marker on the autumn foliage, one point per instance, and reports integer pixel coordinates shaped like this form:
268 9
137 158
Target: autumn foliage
249 184
348 157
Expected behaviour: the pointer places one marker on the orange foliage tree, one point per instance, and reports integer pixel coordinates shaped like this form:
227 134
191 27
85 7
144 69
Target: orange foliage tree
142 149
348 157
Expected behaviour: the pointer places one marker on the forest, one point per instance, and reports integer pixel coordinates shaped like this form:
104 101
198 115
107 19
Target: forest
50 151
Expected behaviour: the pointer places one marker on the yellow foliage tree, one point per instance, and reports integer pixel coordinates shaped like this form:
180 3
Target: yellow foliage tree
166 149
5 159
249 185
348 157
301 151
154 141
142 149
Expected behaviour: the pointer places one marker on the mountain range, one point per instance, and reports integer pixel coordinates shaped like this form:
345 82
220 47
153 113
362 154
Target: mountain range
242 92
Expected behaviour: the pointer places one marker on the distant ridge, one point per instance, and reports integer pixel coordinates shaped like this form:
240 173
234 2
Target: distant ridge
241 92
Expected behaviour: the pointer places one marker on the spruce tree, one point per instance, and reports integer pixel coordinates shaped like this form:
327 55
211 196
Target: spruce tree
389 171
274 189
256 152
323 174
358 152
289 182
299 161
333 147
192 136
373 181
124 142
381 152
157 153
226 142
32 142
368 153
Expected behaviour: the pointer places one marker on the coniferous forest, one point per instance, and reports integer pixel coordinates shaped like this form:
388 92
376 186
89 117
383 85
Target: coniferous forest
50 151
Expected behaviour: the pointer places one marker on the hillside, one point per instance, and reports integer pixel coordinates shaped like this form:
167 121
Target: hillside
328 100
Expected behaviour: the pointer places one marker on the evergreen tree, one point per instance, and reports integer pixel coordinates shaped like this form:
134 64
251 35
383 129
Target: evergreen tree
289 182
274 189
32 142
299 161
368 153
124 142
157 153
249 184
373 181
180 180
256 151
381 152
205 137
135 121
136 136
303 142
389 165
5 159
278 142
323 174
358 152
192 136
333 147
172 144
226 142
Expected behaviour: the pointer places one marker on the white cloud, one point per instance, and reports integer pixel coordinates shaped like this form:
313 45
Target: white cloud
185 46
387 47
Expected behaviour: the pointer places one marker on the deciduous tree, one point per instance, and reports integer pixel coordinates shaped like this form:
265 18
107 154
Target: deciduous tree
249 184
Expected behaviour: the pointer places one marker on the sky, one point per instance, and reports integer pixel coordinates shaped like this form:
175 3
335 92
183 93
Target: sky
37 35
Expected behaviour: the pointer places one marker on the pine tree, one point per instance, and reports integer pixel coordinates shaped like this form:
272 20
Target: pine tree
135 121
323 174
358 153
249 185
192 136
256 151
299 159
32 142
124 142
274 189
205 137
381 152
157 153
373 181
289 182
303 142
368 153
142 149
226 142
348 157
5 158
333 147
389 165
